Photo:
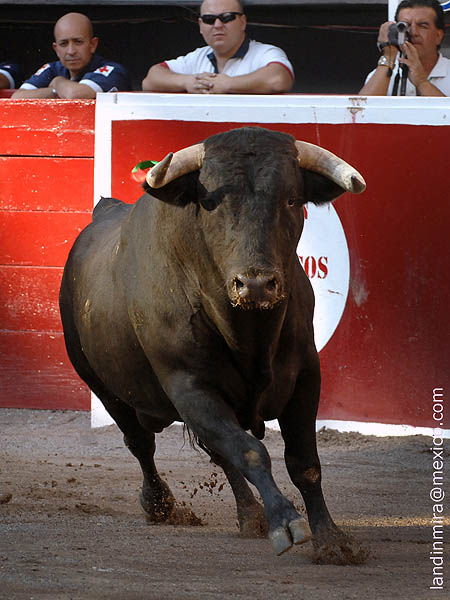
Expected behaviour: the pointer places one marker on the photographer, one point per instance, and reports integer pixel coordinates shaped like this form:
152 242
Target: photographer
419 59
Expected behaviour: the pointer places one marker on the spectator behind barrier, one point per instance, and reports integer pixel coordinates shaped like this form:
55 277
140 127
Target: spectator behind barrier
231 63
79 72
428 71
10 75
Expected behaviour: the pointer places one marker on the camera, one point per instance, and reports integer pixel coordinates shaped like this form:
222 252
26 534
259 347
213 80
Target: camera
398 34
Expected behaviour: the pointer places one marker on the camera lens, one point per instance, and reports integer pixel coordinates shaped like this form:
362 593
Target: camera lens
398 33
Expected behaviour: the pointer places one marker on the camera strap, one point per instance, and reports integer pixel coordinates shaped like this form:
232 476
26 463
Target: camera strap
396 83
400 76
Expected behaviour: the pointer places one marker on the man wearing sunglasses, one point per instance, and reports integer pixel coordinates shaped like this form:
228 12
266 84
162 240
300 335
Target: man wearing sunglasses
231 63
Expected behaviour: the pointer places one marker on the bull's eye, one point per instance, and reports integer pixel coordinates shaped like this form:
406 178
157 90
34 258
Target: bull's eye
211 201
208 204
291 201
213 198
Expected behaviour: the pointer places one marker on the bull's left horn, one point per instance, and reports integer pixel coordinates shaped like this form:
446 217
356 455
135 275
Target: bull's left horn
326 163
175 165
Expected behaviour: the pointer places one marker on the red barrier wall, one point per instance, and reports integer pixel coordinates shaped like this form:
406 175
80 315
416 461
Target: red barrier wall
46 191
392 345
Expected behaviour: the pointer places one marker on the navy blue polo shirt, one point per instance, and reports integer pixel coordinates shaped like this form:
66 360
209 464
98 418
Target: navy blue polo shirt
100 74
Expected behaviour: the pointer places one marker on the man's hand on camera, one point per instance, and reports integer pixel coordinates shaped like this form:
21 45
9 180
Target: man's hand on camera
383 32
416 73
383 42
410 58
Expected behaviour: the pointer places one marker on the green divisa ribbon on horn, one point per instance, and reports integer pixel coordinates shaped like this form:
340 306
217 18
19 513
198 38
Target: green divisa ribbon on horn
139 172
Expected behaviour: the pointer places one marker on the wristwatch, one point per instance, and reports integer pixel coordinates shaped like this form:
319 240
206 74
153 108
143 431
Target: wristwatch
383 61
381 45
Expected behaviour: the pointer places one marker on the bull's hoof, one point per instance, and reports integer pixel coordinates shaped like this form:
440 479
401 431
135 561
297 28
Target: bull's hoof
340 549
283 538
252 522
157 501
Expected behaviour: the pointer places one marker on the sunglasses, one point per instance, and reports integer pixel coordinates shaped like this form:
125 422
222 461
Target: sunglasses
225 17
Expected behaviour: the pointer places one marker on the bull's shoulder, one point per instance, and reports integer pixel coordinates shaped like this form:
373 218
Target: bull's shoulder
109 208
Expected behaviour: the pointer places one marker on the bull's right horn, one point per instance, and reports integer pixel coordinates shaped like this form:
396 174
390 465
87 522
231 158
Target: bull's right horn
175 165
315 158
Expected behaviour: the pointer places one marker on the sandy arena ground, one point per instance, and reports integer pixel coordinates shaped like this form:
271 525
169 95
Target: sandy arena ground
71 527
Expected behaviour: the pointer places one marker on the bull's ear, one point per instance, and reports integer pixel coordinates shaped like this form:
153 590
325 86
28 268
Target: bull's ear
318 189
178 192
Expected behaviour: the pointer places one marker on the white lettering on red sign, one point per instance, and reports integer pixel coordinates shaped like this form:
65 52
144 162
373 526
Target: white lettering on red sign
323 254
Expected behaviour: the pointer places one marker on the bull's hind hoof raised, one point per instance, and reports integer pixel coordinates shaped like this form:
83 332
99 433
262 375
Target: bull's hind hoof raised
283 538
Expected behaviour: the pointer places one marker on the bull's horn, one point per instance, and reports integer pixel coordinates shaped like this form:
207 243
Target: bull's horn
175 165
326 163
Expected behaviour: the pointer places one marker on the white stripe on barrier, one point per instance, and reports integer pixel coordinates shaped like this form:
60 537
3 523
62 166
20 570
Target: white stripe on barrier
100 418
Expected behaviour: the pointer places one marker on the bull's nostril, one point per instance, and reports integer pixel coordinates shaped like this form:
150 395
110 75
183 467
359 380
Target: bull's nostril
271 284
257 289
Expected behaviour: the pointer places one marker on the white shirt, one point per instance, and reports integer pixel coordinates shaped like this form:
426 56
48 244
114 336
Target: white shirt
439 77
250 57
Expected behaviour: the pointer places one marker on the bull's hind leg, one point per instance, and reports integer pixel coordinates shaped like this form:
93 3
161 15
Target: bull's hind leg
252 522
297 426
156 498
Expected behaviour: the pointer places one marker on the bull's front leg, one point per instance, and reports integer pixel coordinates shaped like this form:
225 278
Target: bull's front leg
213 421
297 425
250 513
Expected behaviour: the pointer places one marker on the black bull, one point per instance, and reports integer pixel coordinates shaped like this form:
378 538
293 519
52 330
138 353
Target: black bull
191 306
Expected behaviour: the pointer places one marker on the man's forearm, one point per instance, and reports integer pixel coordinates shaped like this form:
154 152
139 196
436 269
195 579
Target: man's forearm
65 88
58 88
378 84
43 93
4 82
162 79
272 79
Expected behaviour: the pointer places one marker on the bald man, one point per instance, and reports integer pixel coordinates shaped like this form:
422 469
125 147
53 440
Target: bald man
79 72
231 63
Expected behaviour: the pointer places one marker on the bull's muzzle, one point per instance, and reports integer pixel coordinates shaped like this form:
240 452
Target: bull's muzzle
259 291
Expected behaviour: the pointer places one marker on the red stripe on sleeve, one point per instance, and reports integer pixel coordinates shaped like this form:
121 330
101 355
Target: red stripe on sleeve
275 62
